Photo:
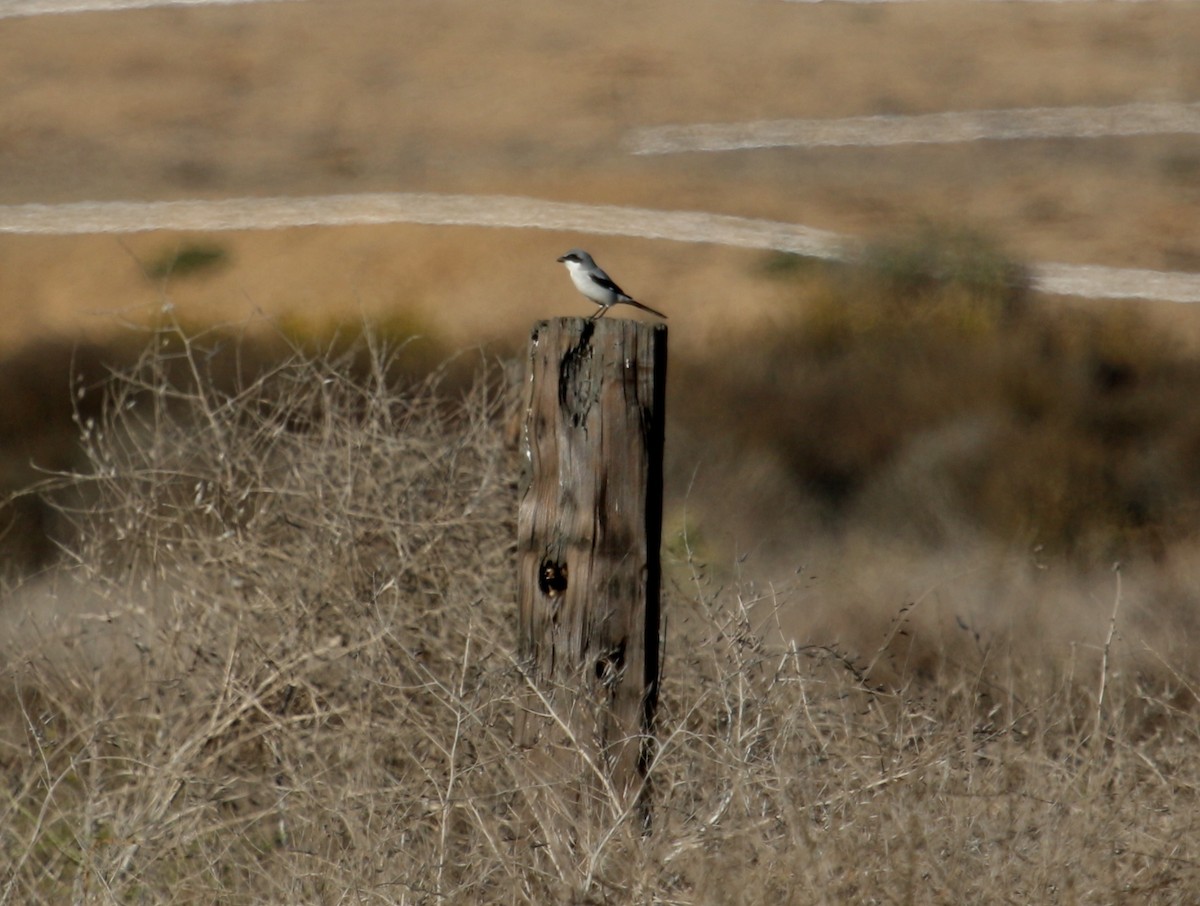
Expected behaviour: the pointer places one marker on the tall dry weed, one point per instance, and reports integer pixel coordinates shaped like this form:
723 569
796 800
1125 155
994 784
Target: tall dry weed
278 666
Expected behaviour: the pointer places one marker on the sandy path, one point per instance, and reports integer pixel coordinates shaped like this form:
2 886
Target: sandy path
532 213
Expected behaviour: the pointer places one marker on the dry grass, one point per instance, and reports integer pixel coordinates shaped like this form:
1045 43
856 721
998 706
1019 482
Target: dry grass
278 666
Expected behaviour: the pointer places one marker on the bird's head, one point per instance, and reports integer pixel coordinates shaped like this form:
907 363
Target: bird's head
577 256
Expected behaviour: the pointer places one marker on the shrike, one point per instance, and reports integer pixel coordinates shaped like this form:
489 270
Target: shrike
598 286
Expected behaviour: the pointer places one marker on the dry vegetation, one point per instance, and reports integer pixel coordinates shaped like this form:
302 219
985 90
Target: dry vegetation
277 665
268 651
924 388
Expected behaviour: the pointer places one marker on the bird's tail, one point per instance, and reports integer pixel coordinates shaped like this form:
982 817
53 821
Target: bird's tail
636 304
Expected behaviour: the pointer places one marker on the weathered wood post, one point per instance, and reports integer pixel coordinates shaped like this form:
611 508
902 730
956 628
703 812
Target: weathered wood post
588 534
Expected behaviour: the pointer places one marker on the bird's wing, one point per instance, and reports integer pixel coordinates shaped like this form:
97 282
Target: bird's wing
604 281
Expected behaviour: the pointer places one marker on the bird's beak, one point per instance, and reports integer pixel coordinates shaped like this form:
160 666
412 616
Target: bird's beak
561 258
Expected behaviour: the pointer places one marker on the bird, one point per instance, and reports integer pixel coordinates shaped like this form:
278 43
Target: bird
598 286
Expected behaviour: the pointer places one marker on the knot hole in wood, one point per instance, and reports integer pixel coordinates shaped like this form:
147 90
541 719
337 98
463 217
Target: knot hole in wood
552 578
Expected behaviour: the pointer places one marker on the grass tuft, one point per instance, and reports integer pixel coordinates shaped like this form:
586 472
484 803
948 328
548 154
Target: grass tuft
187 260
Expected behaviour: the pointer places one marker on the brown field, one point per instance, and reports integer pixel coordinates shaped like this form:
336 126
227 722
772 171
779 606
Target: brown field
269 659
534 99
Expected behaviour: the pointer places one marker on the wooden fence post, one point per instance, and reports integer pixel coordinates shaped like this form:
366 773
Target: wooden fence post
588 533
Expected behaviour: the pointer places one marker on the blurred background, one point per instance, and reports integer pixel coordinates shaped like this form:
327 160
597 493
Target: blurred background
920 429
